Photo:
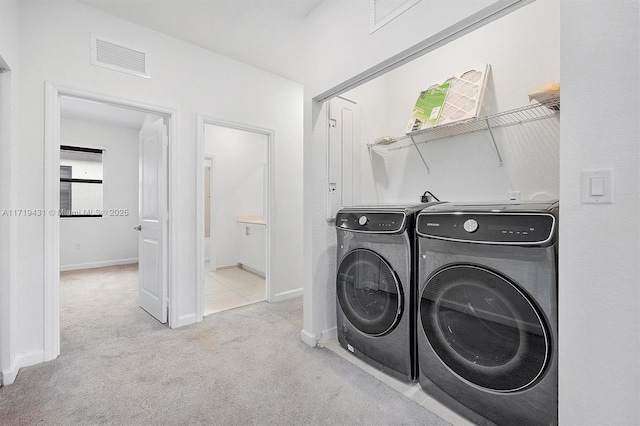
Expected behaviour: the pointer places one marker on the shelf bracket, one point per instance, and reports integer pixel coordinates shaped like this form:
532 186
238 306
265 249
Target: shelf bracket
493 139
420 154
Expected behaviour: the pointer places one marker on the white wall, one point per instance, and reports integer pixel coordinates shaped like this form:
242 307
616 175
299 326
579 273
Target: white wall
340 46
110 240
467 167
240 159
55 46
9 53
599 244
599 253
338 33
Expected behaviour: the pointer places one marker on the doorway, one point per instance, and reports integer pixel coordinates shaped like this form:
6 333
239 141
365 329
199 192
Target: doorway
106 203
99 168
234 211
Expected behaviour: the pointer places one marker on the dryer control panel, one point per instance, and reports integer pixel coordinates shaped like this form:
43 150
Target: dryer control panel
488 228
367 221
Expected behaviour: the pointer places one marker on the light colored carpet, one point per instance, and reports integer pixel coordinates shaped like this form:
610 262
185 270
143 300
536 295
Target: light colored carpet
244 366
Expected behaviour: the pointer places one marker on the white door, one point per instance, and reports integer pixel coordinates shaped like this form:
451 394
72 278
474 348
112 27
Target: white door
152 242
343 156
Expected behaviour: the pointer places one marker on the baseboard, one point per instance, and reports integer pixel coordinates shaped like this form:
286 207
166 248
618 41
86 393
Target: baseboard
24 360
329 334
102 264
290 294
185 320
253 270
235 265
308 338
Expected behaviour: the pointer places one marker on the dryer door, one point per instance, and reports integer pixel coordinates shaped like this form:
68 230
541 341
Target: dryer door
369 292
484 328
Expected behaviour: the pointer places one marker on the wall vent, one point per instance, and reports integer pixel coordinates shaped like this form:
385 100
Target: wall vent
381 12
109 54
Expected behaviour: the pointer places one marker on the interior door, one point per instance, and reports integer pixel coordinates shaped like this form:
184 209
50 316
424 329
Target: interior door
153 212
343 156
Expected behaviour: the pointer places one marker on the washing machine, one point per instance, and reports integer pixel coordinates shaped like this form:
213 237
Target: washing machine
376 287
487 314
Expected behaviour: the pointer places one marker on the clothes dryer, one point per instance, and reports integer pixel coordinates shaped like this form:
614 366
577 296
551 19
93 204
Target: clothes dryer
487 327
376 287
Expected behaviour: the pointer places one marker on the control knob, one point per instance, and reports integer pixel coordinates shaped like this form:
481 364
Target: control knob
470 225
363 220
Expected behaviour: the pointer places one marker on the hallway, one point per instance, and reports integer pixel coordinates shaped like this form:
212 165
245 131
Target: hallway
118 365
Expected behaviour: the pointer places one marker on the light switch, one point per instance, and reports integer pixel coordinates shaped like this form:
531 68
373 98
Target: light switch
597 186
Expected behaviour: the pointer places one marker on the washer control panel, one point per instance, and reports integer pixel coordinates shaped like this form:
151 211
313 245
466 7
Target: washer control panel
490 228
378 222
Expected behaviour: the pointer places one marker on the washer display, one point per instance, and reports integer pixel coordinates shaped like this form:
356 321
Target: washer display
487 334
375 286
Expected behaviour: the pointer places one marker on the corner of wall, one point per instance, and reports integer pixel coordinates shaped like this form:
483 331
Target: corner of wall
308 338
9 375
183 320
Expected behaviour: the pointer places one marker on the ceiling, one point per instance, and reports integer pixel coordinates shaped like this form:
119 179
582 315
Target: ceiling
267 34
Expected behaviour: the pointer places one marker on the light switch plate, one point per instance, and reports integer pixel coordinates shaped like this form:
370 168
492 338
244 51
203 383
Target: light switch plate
597 186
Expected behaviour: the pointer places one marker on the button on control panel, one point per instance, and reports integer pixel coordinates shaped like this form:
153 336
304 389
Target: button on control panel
470 225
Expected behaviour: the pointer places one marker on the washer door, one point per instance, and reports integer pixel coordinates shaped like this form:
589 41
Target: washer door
369 292
484 329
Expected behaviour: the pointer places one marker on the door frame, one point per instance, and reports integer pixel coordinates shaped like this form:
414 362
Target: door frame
203 120
52 204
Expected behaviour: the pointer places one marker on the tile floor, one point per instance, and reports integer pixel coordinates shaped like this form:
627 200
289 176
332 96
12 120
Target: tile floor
228 288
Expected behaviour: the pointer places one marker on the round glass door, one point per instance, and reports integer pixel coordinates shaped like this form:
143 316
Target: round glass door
484 328
369 292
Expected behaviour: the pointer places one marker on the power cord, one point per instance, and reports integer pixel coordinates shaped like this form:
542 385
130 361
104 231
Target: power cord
428 197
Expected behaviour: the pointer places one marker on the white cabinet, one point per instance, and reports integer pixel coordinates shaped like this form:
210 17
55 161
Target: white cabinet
252 247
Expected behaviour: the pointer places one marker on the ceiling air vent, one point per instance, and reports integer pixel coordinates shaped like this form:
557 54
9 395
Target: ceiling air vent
381 12
115 56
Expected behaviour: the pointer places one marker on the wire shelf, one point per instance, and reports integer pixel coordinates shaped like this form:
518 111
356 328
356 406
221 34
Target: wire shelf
533 112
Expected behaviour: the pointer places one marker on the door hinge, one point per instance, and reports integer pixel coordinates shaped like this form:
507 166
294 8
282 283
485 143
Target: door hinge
332 122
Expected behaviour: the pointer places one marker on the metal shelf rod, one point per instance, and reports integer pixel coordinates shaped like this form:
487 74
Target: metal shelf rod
419 153
495 146
513 117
